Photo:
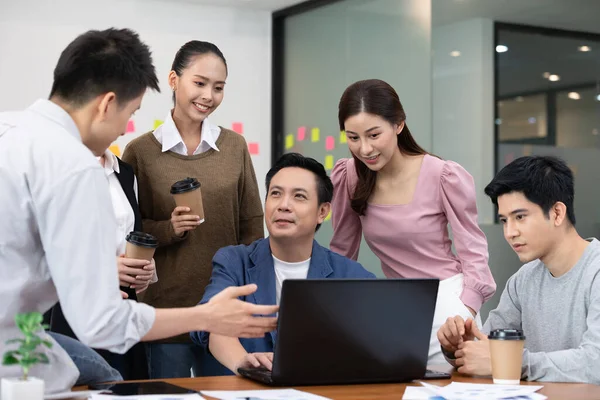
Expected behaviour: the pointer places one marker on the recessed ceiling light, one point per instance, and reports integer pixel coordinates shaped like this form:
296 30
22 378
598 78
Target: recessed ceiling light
595 132
554 78
574 96
455 53
598 97
532 120
546 75
585 49
501 48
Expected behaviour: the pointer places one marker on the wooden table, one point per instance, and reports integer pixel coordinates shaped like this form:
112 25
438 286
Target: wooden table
383 391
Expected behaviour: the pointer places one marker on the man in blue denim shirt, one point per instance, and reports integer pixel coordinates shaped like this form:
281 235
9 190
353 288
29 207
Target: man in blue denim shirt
299 193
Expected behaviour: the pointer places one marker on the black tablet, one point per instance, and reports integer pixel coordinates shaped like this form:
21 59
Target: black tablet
139 388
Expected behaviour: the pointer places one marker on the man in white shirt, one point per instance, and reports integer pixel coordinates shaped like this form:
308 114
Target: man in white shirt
57 239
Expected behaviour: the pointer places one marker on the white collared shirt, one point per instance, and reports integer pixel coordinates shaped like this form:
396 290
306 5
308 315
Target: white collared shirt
123 211
57 241
121 206
168 135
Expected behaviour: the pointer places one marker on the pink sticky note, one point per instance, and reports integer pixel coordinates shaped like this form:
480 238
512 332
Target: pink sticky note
329 143
238 127
130 126
253 148
301 133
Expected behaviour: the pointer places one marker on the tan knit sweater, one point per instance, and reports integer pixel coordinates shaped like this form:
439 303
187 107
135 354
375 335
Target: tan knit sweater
232 208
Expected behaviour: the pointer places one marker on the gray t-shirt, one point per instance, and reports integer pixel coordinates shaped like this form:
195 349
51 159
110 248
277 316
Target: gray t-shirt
560 318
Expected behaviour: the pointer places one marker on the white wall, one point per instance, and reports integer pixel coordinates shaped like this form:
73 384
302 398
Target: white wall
34 32
463 101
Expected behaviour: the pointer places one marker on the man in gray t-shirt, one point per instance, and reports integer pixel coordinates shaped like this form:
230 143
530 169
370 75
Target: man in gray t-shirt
555 297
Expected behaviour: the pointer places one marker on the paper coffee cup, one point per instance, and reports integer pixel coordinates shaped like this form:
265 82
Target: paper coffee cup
140 246
506 351
186 193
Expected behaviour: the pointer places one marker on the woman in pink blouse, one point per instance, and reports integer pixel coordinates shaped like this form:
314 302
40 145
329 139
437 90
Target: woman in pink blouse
402 199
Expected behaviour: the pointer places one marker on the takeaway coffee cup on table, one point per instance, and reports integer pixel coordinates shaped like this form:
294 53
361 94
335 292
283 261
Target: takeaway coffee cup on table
186 193
140 246
506 352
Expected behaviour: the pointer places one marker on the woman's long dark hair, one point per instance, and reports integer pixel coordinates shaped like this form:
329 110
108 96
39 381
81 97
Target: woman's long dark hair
376 97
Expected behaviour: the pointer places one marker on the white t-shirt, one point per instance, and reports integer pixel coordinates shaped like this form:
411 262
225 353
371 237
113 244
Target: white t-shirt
286 270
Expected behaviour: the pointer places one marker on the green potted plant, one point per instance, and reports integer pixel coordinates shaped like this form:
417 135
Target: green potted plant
26 356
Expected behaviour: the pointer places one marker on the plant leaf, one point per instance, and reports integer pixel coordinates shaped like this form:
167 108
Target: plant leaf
9 359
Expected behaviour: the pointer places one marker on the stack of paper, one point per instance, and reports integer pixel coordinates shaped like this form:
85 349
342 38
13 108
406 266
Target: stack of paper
465 391
273 394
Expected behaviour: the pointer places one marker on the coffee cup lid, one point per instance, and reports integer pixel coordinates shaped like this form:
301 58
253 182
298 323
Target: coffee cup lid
142 239
185 185
506 334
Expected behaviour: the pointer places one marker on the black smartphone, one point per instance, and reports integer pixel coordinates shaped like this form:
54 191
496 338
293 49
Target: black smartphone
139 388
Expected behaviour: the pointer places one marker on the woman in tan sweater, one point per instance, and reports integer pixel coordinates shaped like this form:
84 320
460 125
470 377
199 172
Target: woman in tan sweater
188 145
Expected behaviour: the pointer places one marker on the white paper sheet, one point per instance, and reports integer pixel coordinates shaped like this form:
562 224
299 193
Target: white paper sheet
462 391
272 394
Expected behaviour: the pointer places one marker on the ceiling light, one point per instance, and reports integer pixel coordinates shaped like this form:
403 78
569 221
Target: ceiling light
455 53
501 48
532 120
554 78
598 97
584 49
519 99
574 96
595 132
546 75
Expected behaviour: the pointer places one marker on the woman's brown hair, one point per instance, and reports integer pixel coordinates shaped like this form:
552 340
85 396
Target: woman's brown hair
374 96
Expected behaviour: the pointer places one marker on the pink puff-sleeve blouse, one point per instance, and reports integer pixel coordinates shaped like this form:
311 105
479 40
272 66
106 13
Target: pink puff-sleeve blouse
412 240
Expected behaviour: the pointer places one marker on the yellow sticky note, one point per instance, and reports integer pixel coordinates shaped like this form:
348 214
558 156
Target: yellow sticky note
328 217
289 141
157 123
343 138
328 161
315 134
115 149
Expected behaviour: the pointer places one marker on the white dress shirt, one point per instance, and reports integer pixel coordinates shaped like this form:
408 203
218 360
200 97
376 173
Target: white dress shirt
168 135
287 270
121 206
57 241
123 211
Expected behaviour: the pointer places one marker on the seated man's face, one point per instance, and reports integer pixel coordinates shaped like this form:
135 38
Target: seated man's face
292 207
527 229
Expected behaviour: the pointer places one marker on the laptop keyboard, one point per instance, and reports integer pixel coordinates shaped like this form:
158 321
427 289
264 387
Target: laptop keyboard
259 374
